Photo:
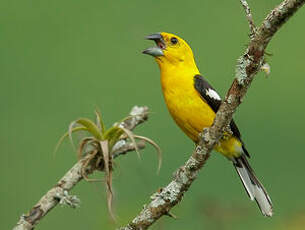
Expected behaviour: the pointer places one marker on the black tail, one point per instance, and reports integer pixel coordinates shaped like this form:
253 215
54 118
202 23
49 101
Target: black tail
252 185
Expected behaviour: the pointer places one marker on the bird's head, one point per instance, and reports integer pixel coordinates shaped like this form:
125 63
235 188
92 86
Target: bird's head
170 49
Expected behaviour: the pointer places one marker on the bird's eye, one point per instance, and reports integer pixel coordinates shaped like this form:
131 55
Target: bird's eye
174 40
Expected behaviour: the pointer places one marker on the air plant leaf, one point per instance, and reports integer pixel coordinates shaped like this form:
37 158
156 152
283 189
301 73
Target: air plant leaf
110 195
112 135
99 121
130 135
108 171
96 147
124 119
105 151
92 128
82 145
76 129
154 144
112 132
70 133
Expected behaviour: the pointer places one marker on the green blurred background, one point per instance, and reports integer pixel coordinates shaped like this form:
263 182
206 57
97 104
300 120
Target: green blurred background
61 58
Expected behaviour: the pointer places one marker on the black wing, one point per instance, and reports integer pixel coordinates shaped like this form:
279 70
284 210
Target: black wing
209 94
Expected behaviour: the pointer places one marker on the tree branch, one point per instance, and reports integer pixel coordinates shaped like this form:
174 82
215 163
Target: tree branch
249 18
247 67
59 193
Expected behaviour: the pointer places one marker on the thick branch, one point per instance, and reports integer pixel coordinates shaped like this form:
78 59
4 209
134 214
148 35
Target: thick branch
59 192
248 65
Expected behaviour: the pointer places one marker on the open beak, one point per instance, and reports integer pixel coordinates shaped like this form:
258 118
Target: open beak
155 51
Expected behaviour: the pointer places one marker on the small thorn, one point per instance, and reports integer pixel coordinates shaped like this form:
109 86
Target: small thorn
171 215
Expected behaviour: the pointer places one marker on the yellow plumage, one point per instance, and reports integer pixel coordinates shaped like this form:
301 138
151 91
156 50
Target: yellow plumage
190 112
192 103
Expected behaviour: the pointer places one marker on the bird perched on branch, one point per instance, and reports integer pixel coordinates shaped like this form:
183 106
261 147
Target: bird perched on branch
193 103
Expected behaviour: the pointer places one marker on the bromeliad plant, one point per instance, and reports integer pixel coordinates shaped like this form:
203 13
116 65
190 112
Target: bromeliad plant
100 144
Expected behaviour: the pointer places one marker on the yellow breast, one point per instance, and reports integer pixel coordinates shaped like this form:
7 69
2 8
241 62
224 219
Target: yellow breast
190 111
186 107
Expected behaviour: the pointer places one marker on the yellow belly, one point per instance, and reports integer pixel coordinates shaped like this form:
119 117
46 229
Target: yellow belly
192 114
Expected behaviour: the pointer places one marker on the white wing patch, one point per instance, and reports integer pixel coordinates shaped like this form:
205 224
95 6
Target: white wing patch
212 94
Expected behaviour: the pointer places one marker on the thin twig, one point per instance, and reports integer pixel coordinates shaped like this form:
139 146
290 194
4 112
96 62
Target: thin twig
75 175
249 18
248 65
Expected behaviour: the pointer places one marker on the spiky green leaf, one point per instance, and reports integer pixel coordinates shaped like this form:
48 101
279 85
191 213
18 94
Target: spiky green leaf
92 128
112 135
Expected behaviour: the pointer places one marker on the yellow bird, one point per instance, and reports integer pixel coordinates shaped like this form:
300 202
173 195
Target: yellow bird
193 102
